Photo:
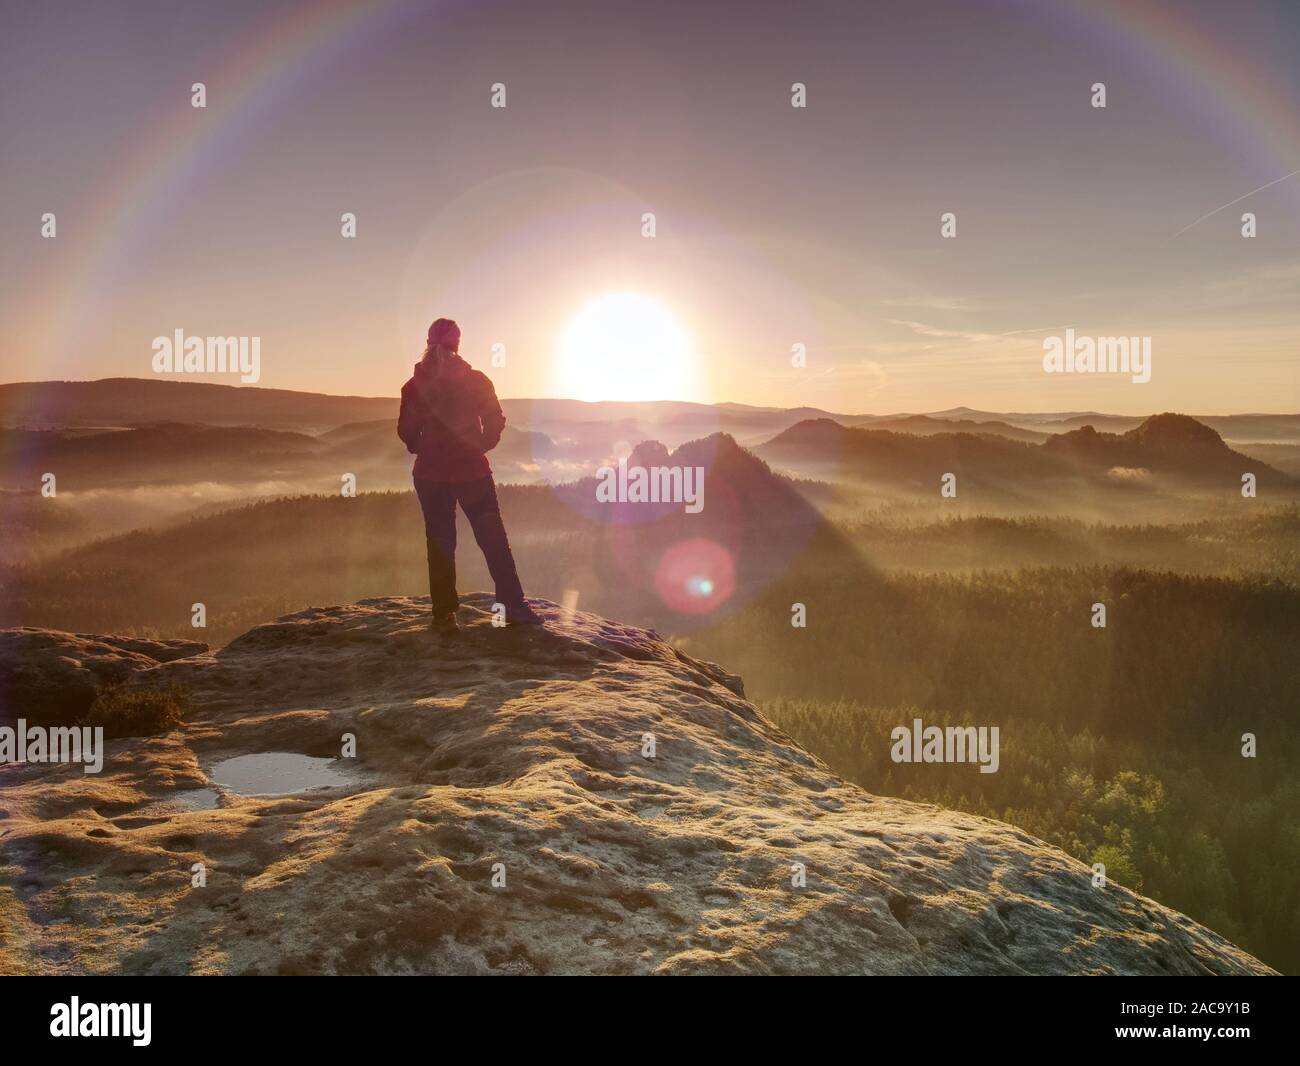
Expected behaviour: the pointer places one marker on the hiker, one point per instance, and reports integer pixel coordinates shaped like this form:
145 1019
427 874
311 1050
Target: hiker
449 420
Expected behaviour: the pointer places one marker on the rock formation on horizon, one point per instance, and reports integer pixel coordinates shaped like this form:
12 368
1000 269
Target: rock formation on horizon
1174 446
1170 443
525 749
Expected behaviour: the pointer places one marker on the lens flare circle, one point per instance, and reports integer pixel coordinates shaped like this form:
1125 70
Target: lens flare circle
695 576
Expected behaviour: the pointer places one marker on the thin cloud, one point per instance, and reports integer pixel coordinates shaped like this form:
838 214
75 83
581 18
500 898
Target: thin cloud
923 329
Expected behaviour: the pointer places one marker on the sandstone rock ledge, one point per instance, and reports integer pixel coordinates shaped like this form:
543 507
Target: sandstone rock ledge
522 748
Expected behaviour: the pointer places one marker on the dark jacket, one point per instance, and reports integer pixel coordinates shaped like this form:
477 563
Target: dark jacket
449 420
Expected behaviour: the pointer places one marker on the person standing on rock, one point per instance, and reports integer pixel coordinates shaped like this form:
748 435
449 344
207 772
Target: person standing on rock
449 420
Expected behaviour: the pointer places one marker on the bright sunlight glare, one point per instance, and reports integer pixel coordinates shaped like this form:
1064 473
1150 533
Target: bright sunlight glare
625 346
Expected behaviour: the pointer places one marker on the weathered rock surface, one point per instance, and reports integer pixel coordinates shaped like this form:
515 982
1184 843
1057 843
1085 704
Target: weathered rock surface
525 749
48 676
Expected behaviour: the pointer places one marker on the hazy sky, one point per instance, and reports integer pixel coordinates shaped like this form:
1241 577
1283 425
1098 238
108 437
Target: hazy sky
775 225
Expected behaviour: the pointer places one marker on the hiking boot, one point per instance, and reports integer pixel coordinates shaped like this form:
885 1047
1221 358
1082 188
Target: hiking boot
444 625
520 614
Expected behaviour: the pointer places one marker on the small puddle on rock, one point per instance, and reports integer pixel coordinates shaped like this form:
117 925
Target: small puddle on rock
278 773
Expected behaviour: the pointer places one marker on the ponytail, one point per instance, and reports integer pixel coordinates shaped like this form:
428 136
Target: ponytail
435 352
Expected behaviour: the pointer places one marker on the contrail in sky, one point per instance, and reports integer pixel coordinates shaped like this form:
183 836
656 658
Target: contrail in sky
1236 201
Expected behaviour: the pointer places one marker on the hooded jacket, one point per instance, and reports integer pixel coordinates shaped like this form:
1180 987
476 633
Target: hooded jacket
449 420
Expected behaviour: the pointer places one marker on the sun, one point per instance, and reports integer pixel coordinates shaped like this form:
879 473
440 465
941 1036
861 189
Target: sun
625 346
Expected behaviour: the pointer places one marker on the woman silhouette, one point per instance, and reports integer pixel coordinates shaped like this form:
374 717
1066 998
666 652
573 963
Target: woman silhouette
450 419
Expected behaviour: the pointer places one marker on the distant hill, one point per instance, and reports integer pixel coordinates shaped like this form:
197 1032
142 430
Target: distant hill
160 452
590 428
928 425
825 449
1280 429
753 525
1284 457
1165 443
594 427
1174 446
129 401
1023 419
120 402
175 453
1275 428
